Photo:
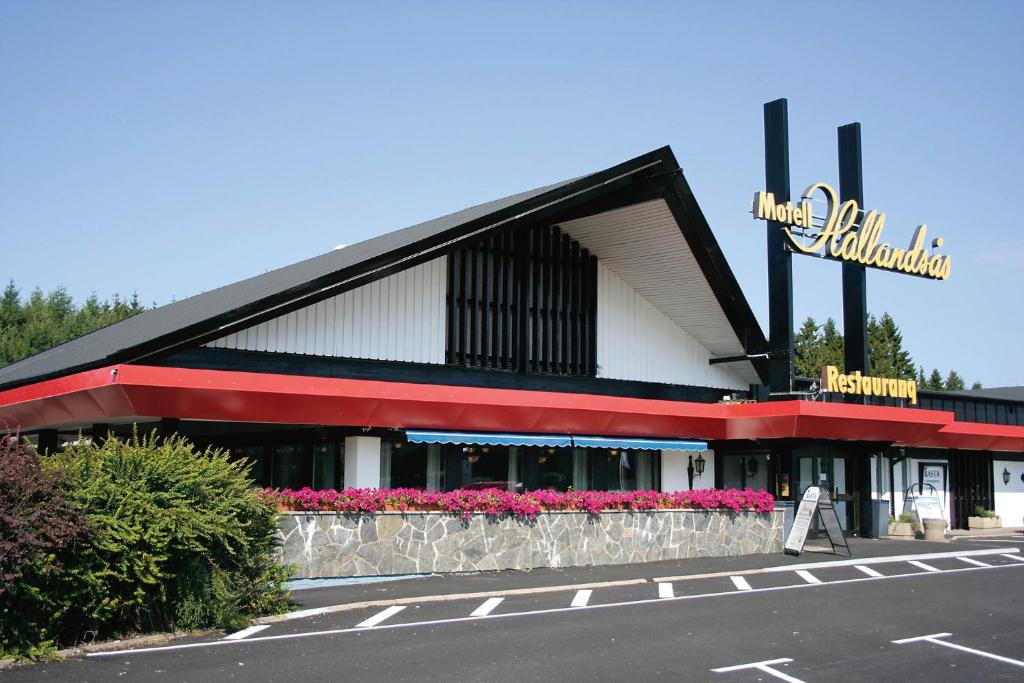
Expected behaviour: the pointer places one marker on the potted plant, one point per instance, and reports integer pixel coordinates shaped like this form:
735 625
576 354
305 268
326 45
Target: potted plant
984 519
904 526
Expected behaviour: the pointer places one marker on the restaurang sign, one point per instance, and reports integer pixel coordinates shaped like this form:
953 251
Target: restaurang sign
843 234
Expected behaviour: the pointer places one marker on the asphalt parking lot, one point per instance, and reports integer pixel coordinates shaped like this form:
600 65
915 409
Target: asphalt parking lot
940 612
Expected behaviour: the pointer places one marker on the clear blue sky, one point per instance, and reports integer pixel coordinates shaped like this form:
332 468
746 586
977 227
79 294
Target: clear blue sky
169 148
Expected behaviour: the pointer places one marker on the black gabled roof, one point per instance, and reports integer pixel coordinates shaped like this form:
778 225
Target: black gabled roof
202 317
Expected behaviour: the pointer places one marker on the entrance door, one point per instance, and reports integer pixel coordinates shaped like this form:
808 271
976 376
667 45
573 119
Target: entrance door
828 472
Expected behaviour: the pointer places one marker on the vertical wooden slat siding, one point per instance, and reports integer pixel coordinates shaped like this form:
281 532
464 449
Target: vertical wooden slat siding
400 317
521 301
497 261
566 361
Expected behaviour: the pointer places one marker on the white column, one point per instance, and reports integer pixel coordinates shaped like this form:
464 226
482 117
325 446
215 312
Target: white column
362 462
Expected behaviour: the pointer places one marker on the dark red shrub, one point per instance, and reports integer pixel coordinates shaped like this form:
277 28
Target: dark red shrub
38 526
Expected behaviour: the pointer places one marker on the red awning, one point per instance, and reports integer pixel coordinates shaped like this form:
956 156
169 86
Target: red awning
129 391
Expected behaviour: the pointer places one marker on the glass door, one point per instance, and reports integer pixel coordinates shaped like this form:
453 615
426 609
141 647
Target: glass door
828 472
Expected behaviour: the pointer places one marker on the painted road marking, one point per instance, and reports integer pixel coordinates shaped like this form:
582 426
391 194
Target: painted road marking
246 632
935 639
976 563
922 565
581 598
665 590
891 558
868 570
807 576
533 613
740 583
381 616
765 667
487 607
1014 557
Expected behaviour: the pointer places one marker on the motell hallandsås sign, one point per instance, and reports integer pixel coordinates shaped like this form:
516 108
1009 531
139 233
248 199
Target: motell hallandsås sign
842 236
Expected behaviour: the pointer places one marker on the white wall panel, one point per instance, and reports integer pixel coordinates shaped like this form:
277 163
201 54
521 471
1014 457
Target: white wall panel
1009 498
636 341
400 317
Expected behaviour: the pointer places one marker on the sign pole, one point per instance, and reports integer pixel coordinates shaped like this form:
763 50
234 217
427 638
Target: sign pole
780 260
855 300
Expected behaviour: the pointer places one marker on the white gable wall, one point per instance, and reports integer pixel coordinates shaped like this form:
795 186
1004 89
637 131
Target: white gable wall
636 341
400 317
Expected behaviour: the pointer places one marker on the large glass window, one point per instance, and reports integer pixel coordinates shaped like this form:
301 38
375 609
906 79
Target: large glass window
328 466
409 465
554 467
485 467
293 466
619 470
259 471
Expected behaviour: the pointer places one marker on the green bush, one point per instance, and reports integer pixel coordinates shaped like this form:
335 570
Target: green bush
181 540
980 511
40 535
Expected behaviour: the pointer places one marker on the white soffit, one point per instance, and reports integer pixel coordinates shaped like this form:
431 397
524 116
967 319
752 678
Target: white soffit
643 245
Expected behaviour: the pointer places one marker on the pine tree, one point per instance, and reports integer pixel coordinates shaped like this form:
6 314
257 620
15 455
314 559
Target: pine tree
976 386
935 382
922 382
954 382
886 355
831 346
45 320
807 350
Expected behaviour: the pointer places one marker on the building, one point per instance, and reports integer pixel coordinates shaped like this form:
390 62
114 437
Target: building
554 338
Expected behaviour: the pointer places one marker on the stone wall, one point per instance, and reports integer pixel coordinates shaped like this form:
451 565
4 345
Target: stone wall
327 544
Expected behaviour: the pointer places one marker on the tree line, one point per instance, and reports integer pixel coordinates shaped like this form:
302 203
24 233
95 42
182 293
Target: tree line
815 346
42 321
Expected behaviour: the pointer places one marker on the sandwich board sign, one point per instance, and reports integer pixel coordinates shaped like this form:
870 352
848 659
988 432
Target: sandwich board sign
926 505
816 501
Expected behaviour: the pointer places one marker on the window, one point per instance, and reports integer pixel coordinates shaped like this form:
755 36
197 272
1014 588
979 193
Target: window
328 466
408 466
293 466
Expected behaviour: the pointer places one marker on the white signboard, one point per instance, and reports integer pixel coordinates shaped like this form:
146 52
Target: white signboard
802 521
927 506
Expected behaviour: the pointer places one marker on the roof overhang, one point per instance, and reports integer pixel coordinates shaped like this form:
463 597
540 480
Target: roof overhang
117 393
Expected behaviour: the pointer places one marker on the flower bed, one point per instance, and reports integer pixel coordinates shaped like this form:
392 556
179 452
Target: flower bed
528 504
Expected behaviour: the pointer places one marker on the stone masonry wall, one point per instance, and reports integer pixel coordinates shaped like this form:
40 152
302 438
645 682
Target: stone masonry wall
326 544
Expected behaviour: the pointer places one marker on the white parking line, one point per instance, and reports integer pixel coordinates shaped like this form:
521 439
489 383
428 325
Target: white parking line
740 583
1013 557
581 598
487 607
807 576
246 632
976 563
665 590
935 639
891 558
868 570
922 565
381 616
765 666
532 613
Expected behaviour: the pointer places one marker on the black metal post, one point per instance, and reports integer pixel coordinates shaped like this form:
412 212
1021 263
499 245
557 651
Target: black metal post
689 472
780 260
855 300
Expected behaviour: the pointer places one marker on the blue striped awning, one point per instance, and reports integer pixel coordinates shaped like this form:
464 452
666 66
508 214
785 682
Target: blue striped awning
554 440
639 444
487 438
